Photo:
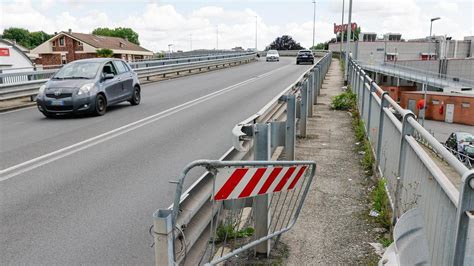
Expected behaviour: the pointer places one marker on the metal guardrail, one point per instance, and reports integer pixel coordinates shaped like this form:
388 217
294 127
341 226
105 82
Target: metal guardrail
259 137
416 185
31 81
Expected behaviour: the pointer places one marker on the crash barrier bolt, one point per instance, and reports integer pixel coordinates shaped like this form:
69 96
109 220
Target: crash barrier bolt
383 105
262 151
290 136
304 109
465 208
407 130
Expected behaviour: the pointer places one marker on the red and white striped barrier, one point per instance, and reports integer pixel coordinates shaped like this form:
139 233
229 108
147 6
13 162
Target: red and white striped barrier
244 182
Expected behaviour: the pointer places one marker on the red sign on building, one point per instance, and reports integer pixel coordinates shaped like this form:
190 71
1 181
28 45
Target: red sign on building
4 52
341 28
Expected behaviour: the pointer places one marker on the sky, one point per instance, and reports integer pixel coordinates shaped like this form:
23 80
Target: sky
200 24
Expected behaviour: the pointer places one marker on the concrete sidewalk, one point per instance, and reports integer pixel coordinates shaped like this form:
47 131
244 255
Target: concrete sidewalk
334 226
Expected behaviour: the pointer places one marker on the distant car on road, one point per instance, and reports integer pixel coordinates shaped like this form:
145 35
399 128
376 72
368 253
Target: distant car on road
457 140
272 55
305 56
89 86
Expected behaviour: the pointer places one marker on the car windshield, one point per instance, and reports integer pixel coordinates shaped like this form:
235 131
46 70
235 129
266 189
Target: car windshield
305 52
469 149
78 70
272 52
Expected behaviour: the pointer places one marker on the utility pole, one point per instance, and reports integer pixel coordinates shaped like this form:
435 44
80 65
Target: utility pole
314 20
349 27
342 32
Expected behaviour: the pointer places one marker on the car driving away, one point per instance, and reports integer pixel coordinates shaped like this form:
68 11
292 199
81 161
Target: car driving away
272 55
304 56
89 86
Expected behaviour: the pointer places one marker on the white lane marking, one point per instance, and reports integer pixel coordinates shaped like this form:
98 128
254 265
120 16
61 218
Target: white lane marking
66 151
17 110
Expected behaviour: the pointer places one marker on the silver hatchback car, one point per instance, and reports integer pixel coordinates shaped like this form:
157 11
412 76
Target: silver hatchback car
89 86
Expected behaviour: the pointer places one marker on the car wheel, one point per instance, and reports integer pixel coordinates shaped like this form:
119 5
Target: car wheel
49 115
297 62
100 105
136 96
312 62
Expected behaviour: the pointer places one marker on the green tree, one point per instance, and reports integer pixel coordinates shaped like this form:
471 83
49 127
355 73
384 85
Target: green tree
38 37
105 52
21 36
321 46
285 42
125 33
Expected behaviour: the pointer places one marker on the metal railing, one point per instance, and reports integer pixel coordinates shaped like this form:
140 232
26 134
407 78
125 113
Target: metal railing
26 84
270 133
418 75
415 181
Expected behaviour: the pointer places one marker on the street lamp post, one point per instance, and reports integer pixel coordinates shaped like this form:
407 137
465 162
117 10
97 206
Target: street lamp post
217 37
314 20
425 86
169 49
349 29
342 33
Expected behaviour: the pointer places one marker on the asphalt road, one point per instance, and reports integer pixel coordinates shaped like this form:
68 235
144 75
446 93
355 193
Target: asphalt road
83 190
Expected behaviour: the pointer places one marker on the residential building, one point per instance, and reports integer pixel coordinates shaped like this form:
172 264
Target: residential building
65 47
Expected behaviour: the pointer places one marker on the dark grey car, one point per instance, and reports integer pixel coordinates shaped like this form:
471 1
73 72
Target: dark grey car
89 86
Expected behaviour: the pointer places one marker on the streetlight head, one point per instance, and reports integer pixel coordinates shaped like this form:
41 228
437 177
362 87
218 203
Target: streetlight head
436 18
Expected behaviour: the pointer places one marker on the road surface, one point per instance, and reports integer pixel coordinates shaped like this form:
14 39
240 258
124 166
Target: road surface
83 190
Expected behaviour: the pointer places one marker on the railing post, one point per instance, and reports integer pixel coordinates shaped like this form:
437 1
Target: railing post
383 104
407 130
372 89
303 109
290 136
364 77
310 93
262 151
163 237
465 208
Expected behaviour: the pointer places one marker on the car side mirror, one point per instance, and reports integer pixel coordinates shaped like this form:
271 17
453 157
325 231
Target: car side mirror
108 76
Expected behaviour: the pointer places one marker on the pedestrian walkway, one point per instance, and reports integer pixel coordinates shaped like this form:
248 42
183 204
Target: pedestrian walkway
334 226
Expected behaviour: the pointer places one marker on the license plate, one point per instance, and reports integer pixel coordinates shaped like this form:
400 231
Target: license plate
57 102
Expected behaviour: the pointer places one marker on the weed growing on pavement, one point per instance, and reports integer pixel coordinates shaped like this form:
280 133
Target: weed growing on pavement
344 101
229 231
380 203
368 159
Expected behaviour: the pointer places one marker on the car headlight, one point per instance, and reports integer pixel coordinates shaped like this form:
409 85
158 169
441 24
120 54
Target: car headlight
85 89
41 89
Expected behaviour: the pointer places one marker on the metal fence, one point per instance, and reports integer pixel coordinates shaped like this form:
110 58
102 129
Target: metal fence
184 231
415 181
26 84
417 75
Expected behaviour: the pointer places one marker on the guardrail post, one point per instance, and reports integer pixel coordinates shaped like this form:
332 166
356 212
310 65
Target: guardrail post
383 104
303 109
262 151
163 237
290 136
465 208
407 130
310 93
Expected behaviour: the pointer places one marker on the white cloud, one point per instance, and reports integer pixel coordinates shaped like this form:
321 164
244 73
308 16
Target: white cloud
161 24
